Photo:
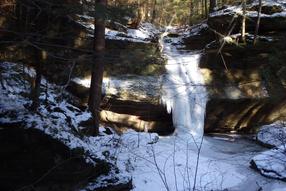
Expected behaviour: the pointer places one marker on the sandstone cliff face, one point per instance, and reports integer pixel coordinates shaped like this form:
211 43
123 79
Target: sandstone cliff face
272 17
246 83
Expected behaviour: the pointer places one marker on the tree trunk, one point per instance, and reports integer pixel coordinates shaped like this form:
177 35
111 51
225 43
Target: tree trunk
202 8
243 21
154 11
213 4
36 84
146 11
191 13
206 9
257 22
95 92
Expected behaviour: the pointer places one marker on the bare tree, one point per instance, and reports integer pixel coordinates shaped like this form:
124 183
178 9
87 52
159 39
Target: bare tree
206 9
213 4
98 66
154 11
257 22
243 20
191 12
36 84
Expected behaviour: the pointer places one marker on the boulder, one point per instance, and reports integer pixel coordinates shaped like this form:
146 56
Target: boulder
271 163
272 135
199 35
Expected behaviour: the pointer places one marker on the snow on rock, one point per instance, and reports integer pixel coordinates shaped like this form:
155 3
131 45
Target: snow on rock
237 10
273 135
56 117
128 87
145 33
185 31
272 163
196 29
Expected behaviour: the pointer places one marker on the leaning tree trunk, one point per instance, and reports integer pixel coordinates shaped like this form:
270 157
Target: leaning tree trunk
257 22
95 92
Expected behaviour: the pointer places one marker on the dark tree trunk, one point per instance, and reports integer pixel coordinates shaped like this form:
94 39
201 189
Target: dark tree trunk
206 9
97 69
257 22
213 4
154 11
36 84
191 13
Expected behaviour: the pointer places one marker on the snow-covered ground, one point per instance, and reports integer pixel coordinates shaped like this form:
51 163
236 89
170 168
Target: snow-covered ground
170 164
56 117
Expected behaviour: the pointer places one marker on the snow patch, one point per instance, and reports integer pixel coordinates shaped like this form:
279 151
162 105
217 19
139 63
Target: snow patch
135 86
145 33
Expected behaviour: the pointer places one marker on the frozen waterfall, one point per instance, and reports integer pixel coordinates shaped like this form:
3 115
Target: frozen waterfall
184 93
